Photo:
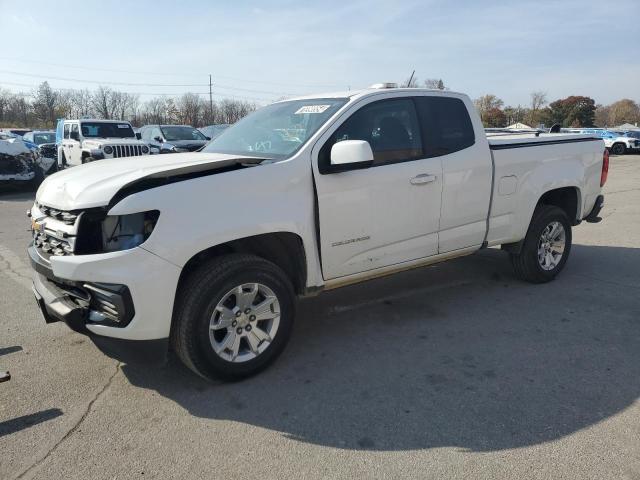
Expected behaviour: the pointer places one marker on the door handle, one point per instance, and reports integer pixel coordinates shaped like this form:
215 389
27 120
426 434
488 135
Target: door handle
422 179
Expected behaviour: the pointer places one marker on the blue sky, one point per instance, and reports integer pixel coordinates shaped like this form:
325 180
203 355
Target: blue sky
264 50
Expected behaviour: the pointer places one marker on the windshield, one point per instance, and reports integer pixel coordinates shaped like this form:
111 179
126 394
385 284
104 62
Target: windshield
278 130
212 131
174 133
47 137
107 130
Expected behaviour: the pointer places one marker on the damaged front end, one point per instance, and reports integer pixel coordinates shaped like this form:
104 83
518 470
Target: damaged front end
17 163
46 157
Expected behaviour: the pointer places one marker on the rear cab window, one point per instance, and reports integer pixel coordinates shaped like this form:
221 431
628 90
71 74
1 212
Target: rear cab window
446 125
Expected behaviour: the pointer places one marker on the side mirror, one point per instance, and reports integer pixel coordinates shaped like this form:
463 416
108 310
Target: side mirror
75 136
158 139
208 138
138 136
351 155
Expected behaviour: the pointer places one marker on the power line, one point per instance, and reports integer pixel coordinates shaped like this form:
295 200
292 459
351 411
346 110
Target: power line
103 82
131 84
182 74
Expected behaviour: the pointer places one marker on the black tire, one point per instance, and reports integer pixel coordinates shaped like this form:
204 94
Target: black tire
525 263
618 149
197 299
87 159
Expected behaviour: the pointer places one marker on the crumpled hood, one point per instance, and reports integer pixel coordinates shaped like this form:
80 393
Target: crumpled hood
95 184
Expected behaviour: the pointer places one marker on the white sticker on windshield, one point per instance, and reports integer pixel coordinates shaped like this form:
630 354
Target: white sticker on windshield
312 109
120 125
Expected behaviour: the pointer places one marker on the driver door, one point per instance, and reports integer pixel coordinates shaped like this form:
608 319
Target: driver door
388 213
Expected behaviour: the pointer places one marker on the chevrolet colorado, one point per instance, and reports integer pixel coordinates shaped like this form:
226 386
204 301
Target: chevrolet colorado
207 251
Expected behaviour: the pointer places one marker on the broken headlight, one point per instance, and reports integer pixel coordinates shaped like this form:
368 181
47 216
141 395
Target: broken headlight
111 233
122 232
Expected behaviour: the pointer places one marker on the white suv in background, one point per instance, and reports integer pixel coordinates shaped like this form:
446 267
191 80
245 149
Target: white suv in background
83 141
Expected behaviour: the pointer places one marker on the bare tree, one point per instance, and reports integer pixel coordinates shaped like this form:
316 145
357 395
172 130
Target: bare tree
44 104
435 84
190 106
538 102
488 102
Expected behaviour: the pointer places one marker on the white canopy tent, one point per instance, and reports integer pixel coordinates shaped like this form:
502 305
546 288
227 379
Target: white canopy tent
519 126
627 126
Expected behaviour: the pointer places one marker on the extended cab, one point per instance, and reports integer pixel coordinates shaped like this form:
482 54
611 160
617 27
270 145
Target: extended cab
208 250
83 141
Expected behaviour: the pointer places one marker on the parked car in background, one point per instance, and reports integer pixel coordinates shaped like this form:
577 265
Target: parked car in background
15 131
633 134
83 141
361 184
616 142
43 144
173 138
18 164
212 131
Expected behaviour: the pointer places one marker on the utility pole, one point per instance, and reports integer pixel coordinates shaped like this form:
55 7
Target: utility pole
210 100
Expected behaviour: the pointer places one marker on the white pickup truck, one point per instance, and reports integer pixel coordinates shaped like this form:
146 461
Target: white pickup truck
208 250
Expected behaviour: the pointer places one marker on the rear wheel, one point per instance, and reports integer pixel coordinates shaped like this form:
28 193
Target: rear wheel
233 317
546 247
618 149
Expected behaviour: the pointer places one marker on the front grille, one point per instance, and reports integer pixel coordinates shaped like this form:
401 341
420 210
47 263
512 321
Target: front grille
49 150
127 151
55 239
67 217
50 245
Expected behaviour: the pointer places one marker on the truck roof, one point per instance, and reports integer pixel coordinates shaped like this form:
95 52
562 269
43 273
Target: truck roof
95 120
363 92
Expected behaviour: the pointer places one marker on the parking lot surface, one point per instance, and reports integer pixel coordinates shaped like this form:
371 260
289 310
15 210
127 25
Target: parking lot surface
452 371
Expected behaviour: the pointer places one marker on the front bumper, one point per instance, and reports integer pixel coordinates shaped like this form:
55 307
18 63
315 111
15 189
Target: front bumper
73 289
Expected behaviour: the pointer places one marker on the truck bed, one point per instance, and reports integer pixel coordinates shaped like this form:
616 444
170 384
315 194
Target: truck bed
524 168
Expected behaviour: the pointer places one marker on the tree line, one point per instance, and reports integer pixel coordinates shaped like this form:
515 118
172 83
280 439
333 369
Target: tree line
573 111
41 108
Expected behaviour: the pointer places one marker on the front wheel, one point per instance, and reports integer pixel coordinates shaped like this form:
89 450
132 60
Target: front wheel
546 247
618 149
233 317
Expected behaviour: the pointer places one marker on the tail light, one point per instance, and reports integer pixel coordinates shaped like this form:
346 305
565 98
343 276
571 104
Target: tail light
605 168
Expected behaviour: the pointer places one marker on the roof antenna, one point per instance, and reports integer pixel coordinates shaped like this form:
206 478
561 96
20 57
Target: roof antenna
410 78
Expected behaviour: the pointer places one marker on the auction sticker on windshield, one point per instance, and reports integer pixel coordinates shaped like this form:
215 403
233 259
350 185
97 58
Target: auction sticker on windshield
312 109
120 125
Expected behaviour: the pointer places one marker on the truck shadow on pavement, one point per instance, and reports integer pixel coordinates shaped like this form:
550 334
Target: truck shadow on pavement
456 355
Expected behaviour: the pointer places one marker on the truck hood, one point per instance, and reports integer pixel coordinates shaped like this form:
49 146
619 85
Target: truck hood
96 184
97 142
191 145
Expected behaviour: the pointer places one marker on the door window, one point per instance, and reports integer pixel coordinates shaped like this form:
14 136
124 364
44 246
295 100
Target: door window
446 125
67 129
391 128
74 128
